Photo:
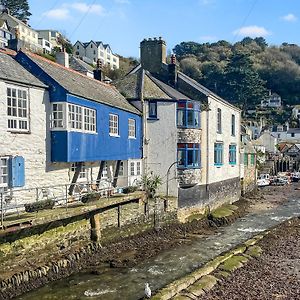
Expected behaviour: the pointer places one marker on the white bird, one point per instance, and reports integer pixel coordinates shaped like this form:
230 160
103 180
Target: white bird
147 290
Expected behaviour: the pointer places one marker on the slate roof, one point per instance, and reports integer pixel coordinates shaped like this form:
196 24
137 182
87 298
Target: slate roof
294 130
139 79
182 78
80 85
11 70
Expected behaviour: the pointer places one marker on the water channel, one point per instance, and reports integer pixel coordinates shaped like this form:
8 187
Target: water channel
128 284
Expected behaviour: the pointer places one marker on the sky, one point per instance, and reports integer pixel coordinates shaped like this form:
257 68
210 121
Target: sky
125 23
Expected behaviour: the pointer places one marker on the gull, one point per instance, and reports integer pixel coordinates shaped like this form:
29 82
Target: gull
147 290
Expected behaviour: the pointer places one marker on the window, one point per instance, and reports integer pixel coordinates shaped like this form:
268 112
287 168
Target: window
219 121
76 53
138 168
94 52
132 168
89 120
232 154
75 116
77 47
3 174
108 57
104 171
17 109
113 124
57 115
101 53
218 154
83 174
188 114
121 169
80 118
252 159
91 45
114 60
293 134
233 125
246 159
131 128
153 110
188 155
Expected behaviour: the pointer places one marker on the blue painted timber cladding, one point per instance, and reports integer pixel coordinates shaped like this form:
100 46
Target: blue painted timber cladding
72 146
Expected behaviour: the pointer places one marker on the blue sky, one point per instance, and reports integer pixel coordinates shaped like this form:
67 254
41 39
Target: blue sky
124 23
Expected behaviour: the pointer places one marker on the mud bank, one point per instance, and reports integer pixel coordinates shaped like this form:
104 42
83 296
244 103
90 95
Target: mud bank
119 253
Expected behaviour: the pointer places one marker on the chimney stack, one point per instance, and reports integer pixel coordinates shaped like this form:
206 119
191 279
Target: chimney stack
62 58
98 73
172 71
153 54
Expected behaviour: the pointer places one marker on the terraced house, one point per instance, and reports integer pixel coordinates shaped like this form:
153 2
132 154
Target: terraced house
191 135
59 126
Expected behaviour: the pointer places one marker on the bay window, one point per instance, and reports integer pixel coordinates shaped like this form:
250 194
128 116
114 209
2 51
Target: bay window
188 114
188 155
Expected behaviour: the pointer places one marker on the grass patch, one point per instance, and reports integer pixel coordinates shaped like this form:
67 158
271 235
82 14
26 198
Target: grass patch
254 251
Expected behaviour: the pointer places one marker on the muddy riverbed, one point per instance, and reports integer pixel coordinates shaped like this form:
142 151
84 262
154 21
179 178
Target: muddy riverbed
160 257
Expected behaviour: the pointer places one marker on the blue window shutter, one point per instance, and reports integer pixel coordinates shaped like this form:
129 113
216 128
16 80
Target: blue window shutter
16 171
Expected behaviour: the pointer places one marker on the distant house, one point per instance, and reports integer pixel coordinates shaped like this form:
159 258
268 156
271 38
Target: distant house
46 45
5 34
96 50
272 101
191 135
25 36
269 141
52 36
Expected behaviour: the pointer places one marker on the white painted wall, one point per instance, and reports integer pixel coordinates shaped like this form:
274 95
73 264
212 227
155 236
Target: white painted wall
226 171
161 150
269 141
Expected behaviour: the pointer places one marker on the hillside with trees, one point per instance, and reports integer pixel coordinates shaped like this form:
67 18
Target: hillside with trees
243 72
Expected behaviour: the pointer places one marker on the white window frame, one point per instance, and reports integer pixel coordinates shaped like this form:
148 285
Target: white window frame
83 174
16 109
138 168
4 166
132 168
121 169
131 128
114 125
75 118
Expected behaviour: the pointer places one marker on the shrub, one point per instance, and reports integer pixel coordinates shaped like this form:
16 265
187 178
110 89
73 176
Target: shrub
39 205
129 189
89 197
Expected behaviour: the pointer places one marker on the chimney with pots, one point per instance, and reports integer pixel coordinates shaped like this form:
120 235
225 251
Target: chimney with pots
153 54
62 58
172 72
98 73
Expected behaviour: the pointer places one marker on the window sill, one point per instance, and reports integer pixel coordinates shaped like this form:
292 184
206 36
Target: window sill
131 138
19 131
187 127
218 165
188 168
114 135
152 119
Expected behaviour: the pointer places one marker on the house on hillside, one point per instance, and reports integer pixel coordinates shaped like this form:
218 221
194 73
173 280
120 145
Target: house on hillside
272 101
5 34
24 35
191 135
61 127
296 112
269 141
96 50
52 36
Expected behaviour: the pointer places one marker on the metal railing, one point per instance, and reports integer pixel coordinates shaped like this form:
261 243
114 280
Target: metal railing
13 201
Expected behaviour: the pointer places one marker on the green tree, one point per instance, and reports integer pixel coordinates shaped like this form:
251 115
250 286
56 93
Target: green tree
242 82
17 8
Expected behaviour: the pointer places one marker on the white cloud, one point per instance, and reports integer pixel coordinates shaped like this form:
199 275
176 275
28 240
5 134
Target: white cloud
58 13
84 8
252 31
289 18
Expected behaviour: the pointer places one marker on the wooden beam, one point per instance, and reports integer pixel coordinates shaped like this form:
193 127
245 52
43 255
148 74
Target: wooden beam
116 175
75 177
102 163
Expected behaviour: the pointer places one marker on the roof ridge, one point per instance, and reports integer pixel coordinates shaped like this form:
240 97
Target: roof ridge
63 67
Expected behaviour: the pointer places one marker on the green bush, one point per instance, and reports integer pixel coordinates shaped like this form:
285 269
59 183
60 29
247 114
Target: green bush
39 205
129 189
89 197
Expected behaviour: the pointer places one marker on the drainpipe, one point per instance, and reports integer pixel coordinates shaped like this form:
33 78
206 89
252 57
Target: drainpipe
168 172
207 152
